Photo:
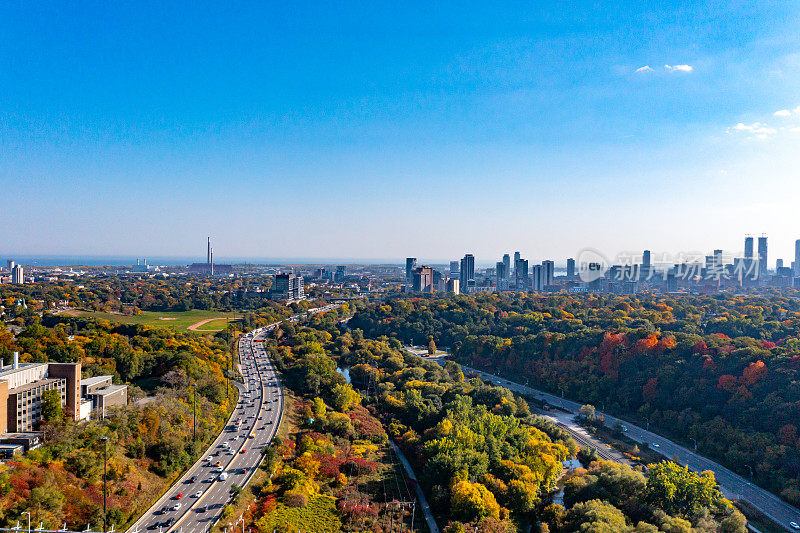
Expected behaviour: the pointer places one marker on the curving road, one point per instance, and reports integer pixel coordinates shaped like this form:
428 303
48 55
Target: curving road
732 485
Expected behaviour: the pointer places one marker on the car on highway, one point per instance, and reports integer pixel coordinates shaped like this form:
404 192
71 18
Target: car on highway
243 450
179 496
656 445
168 522
176 506
201 509
198 493
191 480
794 525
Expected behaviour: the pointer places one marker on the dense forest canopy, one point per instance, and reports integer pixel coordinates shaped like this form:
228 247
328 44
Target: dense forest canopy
723 370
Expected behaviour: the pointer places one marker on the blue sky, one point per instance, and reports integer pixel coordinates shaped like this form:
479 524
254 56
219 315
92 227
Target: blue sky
384 130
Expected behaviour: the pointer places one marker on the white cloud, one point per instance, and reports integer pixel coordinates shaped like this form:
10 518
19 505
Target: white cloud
645 68
757 129
782 113
680 68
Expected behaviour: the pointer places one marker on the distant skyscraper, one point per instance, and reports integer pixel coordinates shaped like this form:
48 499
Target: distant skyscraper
516 258
423 279
11 264
536 278
454 269
500 270
718 258
748 247
796 264
646 259
467 271
521 274
507 264
778 264
548 269
17 276
570 268
411 264
762 255
341 272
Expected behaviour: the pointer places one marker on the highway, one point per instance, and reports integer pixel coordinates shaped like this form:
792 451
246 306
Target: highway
732 485
233 457
195 502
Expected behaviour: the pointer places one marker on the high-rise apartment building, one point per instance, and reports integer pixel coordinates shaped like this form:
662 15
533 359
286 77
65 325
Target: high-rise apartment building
500 271
762 255
467 272
507 265
423 279
10 263
17 275
455 268
288 287
411 264
570 268
796 264
536 278
516 258
748 247
521 274
548 273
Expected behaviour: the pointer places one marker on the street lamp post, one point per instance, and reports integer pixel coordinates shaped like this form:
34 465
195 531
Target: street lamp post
105 474
695 443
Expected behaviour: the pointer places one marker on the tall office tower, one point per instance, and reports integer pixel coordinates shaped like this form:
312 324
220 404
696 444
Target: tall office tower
536 278
516 258
748 247
17 277
507 264
718 258
411 264
548 269
11 264
762 255
467 271
570 268
521 274
500 269
423 279
646 259
455 268
778 264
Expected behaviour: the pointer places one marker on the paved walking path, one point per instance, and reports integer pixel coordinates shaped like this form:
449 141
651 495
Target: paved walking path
426 509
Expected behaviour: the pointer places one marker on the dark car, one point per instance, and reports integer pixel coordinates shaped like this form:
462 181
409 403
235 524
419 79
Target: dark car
169 521
201 509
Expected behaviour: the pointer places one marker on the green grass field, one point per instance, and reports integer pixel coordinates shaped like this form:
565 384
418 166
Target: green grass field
179 320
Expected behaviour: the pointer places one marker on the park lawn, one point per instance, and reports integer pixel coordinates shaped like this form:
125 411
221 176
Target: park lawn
180 320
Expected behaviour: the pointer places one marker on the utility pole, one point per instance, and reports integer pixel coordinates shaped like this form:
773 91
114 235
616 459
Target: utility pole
29 520
105 474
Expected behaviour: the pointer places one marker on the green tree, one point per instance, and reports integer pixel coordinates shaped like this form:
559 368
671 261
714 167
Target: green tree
51 406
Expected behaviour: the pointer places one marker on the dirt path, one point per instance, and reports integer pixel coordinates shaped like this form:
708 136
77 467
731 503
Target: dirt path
197 325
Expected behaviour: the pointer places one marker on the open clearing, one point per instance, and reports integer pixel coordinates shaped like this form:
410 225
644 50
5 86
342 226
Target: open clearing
204 321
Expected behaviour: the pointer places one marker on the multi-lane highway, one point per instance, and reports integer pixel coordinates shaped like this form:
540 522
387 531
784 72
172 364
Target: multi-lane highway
731 484
195 502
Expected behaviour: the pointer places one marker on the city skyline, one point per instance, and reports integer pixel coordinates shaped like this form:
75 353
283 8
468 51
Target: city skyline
319 132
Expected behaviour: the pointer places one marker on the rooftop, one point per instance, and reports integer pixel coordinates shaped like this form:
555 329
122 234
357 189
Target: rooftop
95 380
111 389
7 370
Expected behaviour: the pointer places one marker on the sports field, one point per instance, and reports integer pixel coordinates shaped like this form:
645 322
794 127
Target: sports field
205 321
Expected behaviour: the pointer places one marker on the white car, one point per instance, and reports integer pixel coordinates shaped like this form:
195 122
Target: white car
198 493
794 525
